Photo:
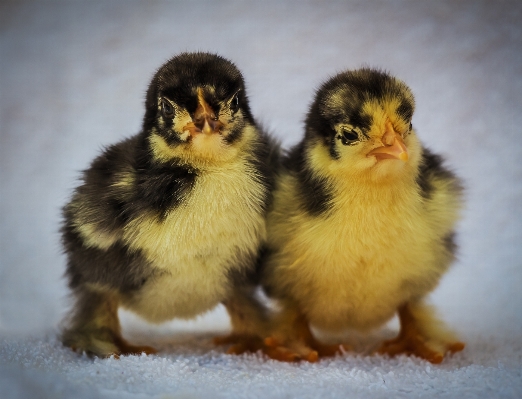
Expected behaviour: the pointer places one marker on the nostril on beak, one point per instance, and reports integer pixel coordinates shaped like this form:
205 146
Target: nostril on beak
199 121
388 138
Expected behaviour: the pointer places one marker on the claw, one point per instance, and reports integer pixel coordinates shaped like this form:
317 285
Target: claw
312 357
275 349
330 350
281 354
456 347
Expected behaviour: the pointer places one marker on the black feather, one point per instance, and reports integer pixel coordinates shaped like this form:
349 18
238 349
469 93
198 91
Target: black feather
161 188
115 268
313 191
431 168
179 77
405 110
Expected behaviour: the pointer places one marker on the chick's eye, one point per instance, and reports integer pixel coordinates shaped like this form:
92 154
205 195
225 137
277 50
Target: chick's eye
234 104
348 137
166 109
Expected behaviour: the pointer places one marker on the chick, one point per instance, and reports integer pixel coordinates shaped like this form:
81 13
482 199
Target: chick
168 223
362 225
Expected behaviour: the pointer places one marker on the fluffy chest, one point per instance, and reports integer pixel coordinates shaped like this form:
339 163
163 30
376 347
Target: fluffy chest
356 265
221 217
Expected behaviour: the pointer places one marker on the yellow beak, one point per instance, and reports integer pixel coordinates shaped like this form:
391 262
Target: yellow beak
393 146
204 120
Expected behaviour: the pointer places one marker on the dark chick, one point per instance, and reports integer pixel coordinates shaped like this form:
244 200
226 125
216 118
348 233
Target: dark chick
168 223
363 223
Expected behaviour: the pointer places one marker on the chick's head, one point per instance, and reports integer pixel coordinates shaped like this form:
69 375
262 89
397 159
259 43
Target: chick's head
361 123
196 109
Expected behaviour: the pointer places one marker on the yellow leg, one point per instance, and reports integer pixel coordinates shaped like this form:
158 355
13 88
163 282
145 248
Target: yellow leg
413 339
95 329
293 340
249 321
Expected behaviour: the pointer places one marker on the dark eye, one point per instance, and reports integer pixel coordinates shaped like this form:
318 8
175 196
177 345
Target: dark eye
166 109
234 104
348 137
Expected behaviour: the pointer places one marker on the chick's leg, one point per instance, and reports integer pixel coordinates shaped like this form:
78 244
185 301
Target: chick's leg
292 339
94 327
249 321
421 335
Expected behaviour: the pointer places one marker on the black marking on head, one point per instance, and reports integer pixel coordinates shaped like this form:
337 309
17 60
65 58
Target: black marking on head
432 168
314 192
319 128
180 77
373 81
357 118
332 148
405 110
341 99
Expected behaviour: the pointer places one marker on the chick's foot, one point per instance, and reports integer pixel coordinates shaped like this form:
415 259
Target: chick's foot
411 341
103 343
128 349
240 343
300 344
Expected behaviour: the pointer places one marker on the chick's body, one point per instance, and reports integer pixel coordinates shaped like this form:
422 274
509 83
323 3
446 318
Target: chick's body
169 222
363 218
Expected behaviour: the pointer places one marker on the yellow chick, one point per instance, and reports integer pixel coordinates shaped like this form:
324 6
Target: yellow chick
362 225
168 223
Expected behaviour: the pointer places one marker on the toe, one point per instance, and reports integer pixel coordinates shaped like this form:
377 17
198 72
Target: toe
240 343
281 354
456 347
330 350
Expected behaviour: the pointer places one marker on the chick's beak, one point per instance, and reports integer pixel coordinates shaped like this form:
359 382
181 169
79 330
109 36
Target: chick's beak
205 120
393 146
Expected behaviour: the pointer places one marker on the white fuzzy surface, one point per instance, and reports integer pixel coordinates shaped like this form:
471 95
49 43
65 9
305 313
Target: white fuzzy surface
72 79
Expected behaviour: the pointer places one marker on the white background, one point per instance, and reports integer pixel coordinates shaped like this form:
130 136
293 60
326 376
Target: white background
73 78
